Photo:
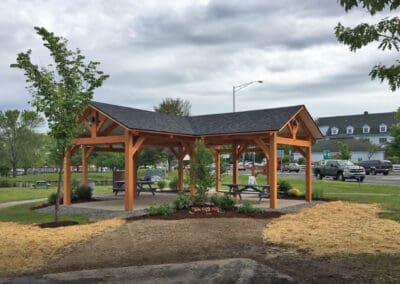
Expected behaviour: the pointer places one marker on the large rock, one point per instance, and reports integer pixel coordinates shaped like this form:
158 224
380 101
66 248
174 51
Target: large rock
236 270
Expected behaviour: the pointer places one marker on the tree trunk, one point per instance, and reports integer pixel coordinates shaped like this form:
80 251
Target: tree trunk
14 169
56 208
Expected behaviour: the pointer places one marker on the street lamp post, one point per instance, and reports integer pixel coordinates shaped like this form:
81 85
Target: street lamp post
240 87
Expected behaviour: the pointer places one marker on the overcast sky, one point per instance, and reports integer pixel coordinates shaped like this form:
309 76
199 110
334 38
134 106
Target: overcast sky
198 50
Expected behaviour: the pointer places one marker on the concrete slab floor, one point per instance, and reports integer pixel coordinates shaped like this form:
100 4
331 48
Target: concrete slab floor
145 200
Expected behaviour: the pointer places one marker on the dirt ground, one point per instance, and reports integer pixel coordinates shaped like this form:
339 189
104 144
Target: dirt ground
315 245
146 242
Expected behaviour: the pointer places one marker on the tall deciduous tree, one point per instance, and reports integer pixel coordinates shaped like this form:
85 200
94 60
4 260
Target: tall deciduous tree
18 136
173 106
61 93
386 32
393 147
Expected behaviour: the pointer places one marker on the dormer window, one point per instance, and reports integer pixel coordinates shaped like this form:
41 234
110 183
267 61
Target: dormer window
349 130
382 128
366 128
334 131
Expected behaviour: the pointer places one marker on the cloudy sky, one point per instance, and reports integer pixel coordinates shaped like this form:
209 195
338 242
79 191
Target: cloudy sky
198 50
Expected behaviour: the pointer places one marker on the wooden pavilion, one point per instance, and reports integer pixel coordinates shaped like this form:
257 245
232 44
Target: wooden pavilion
113 128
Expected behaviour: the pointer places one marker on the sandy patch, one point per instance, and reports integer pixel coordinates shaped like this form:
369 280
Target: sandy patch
24 248
336 227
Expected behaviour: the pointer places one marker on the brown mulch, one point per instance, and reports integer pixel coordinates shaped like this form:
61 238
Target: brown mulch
187 214
336 227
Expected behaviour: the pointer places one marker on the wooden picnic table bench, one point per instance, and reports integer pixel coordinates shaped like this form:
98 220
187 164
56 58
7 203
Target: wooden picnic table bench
238 189
142 186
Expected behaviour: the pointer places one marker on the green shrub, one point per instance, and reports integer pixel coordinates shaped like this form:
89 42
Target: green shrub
317 193
182 201
284 186
294 192
225 201
53 196
163 209
173 184
161 184
247 208
83 192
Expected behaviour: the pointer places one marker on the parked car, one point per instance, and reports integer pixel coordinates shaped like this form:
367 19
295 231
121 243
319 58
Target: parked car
340 170
292 167
153 175
374 167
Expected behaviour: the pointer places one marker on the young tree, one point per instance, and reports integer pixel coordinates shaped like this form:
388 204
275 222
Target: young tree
344 152
17 132
373 149
61 93
202 171
386 32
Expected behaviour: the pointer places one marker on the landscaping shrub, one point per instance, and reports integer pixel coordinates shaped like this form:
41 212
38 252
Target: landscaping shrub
225 201
161 184
284 186
294 192
173 184
182 201
83 192
163 209
53 196
247 208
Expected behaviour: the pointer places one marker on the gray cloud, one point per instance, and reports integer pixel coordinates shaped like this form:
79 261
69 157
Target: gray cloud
198 50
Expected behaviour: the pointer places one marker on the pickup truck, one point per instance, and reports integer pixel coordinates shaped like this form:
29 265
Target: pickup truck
340 170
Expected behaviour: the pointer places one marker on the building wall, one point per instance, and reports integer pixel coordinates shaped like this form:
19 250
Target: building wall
355 156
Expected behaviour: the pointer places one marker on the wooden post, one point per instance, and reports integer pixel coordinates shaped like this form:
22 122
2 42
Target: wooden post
84 166
134 177
180 157
235 169
272 172
308 174
217 160
129 171
67 177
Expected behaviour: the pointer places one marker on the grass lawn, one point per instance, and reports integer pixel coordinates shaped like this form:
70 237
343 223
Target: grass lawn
23 215
8 194
53 177
388 196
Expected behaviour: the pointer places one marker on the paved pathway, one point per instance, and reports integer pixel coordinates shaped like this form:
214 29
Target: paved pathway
13 203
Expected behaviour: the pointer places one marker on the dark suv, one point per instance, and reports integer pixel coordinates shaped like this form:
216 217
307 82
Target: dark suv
374 167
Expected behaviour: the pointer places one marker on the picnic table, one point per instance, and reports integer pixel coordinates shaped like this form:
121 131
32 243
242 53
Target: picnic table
142 186
238 189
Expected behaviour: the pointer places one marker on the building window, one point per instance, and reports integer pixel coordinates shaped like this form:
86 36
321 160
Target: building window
382 128
349 130
334 131
365 129
382 140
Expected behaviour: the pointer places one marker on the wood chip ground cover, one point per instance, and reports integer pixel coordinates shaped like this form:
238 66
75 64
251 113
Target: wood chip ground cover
336 227
24 248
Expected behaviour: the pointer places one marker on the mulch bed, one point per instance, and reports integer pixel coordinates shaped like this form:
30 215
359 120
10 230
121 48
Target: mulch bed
58 224
188 214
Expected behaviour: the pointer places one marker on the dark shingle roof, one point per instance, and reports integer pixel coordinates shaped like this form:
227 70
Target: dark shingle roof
374 120
246 121
355 145
238 122
146 120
